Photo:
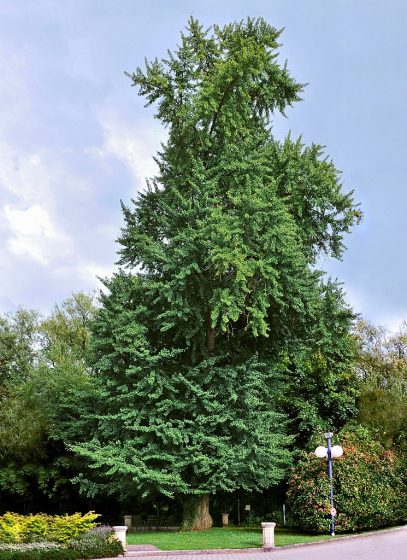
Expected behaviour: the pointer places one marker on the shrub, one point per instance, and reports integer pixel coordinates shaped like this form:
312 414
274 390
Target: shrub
36 551
97 543
369 487
255 520
62 554
15 528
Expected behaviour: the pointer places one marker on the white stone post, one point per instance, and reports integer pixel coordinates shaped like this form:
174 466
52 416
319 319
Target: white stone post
120 534
225 519
268 535
128 521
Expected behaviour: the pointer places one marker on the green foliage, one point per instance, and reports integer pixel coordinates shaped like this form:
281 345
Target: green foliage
45 363
182 428
321 383
382 367
15 528
66 331
369 486
235 218
255 520
18 336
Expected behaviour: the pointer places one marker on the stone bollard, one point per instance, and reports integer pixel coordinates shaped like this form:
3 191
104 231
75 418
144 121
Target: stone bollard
225 519
120 534
268 535
128 521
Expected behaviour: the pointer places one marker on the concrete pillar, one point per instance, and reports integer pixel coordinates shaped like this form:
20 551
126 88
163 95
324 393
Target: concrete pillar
268 535
128 521
225 519
120 534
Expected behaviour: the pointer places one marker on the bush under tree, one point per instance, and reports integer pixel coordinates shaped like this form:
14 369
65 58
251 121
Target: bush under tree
370 486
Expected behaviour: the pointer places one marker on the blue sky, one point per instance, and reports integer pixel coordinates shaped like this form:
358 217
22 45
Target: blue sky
75 138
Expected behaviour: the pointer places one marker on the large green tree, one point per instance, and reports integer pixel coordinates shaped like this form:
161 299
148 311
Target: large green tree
193 346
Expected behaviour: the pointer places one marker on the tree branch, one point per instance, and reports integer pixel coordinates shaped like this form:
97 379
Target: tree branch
222 101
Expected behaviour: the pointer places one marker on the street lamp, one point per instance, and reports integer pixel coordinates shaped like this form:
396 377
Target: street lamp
330 452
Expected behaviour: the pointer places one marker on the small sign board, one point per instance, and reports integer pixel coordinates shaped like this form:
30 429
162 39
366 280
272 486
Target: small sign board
247 507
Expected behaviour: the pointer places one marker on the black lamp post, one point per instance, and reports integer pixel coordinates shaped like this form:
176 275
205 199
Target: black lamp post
330 452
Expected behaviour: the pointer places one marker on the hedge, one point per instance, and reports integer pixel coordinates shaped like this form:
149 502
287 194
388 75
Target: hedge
370 486
37 551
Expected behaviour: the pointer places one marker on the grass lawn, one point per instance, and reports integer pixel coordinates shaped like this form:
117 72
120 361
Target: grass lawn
231 537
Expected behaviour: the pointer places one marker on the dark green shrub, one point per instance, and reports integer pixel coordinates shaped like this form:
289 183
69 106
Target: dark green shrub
97 543
63 554
36 551
255 520
370 486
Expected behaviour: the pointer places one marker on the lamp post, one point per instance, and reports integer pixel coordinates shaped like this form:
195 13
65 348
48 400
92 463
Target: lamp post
330 452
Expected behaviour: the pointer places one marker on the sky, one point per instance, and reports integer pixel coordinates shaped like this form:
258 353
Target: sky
75 138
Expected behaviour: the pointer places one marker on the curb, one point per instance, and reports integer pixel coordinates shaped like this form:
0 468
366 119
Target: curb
194 552
147 553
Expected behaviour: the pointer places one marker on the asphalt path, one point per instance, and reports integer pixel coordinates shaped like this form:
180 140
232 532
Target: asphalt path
388 545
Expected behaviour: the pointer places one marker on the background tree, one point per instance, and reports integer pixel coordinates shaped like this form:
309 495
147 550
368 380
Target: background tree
18 337
224 298
382 367
43 362
321 384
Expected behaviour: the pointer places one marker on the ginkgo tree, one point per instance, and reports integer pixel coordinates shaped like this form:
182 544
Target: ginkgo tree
192 343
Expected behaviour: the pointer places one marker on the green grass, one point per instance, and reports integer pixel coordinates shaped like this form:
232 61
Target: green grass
231 537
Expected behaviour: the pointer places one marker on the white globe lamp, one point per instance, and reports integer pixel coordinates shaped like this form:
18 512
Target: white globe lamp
336 451
321 451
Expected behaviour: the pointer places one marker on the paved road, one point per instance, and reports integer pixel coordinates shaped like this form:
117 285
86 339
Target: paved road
390 545
386 545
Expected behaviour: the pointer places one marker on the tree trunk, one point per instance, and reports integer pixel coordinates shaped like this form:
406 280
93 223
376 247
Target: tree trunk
210 335
210 341
196 513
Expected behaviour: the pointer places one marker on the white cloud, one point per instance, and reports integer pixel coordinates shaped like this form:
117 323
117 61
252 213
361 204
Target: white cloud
34 235
134 143
33 221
